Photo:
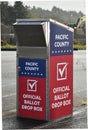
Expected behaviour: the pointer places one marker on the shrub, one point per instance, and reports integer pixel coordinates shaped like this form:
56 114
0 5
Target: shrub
3 43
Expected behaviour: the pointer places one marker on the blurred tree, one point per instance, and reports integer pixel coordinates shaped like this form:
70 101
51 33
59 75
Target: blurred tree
20 10
9 13
4 12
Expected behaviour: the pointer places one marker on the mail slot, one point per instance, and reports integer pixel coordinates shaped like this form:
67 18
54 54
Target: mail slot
44 69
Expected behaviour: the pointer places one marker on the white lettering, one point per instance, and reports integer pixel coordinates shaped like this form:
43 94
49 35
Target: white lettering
66 102
56 105
61 36
61 96
61 44
31 63
36 103
36 97
61 89
32 68
38 108
27 107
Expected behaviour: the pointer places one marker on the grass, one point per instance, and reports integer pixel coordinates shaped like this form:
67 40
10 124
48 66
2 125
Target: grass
75 46
5 45
79 46
8 47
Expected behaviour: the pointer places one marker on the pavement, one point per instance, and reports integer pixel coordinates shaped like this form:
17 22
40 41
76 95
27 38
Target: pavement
10 119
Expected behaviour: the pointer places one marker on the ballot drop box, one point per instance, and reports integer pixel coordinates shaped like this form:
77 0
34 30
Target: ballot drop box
44 69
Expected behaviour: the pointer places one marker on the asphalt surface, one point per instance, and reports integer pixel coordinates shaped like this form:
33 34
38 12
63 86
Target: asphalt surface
10 120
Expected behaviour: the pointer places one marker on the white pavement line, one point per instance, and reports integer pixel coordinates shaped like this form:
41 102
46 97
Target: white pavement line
9 112
78 112
9 95
47 124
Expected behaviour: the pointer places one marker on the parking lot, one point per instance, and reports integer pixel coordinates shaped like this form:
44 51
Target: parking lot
10 121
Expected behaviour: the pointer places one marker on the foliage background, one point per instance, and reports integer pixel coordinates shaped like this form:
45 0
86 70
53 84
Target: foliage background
10 13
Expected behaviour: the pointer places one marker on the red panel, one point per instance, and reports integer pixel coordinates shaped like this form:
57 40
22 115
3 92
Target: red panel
32 97
61 86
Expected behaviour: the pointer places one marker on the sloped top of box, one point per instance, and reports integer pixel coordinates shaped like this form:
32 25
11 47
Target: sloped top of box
29 21
40 21
36 32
